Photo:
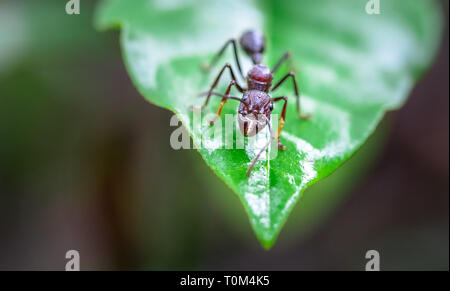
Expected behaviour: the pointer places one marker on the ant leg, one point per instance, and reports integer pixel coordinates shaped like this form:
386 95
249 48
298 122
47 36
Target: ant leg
222 103
283 58
263 149
219 54
224 96
217 81
297 94
282 119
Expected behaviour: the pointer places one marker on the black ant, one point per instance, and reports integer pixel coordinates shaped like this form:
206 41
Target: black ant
256 102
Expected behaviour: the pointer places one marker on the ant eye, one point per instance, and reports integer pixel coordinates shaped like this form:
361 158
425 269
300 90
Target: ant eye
271 106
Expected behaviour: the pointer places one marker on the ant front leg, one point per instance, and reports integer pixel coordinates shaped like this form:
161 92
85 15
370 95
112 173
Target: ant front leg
219 54
222 103
233 77
297 94
250 168
282 119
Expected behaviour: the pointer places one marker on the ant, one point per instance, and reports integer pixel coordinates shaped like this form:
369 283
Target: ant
256 105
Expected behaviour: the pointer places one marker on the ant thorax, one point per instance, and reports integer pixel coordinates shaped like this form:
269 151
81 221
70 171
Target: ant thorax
259 78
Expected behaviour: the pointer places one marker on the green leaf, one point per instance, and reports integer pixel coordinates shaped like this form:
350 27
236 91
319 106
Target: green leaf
351 66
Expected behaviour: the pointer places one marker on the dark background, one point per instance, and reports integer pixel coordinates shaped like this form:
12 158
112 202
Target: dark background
85 164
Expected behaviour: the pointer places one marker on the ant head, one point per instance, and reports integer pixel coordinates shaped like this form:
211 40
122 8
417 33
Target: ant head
260 78
254 112
252 42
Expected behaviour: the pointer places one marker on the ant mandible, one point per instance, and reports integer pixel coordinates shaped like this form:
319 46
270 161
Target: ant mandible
256 105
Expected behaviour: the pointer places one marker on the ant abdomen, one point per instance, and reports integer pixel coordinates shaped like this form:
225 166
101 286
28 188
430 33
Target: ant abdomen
252 42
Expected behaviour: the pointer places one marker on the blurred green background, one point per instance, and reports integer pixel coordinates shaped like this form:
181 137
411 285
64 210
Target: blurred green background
85 164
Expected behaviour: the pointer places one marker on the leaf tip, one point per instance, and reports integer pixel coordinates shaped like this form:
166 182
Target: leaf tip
267 240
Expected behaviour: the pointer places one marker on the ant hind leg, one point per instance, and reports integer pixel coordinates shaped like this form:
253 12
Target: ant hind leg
283 58
207 67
